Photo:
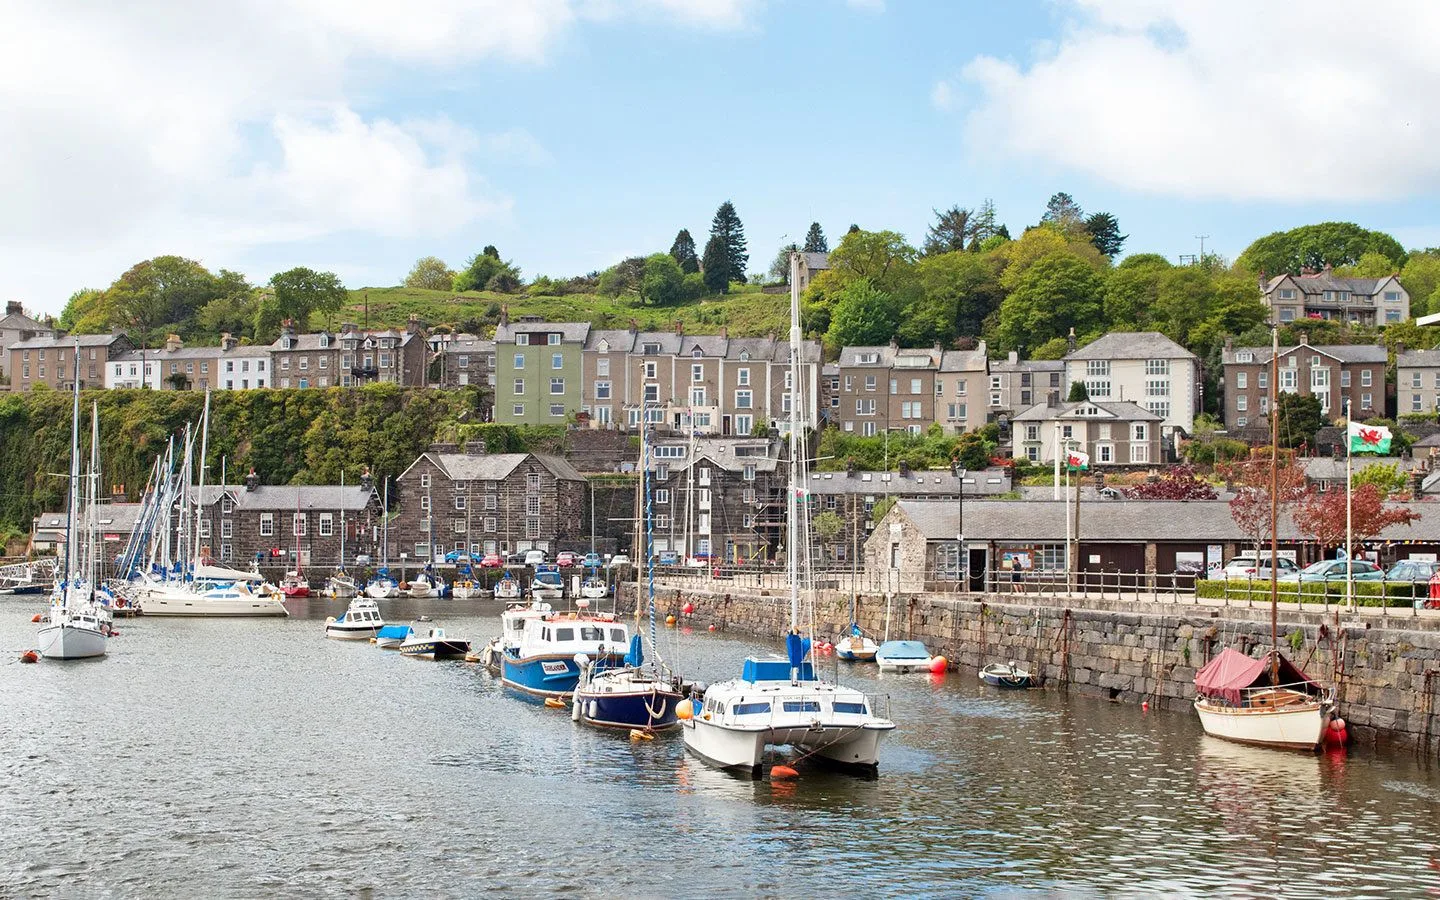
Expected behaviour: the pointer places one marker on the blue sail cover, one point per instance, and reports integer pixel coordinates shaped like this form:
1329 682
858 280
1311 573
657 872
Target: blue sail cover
855 630
394 631
636 656
796 648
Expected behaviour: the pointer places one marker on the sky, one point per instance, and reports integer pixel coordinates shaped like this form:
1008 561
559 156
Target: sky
356 136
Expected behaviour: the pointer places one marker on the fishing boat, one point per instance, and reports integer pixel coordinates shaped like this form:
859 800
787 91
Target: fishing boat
512 629
1007 675
1267 701
431 643
360 621
548 583
545 662
508 588
903 656
782 701
855 646
390 637
73 628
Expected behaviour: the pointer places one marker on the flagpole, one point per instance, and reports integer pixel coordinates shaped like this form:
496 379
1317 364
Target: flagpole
1349 540
1057 462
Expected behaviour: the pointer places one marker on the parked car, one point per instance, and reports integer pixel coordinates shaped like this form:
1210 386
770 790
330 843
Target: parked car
362 559
567 558
592 561
1332 571
1248 565
516 559
534 557
491 561
618 560
457 556
1412 570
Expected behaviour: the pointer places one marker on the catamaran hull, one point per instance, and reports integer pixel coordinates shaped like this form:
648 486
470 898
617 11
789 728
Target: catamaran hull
744 748
649 710
65 641
197 606
1300 728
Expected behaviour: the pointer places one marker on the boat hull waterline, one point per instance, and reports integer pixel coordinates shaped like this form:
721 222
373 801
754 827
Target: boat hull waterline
1298 726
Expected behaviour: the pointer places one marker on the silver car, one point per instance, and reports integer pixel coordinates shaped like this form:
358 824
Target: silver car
1248 566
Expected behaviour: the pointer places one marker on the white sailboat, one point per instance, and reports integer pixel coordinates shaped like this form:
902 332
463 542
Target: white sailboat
74 627
782 701
381 585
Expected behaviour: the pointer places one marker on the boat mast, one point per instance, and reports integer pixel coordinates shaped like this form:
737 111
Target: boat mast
792 530
342 519
385 529
1274 502
74 499
200 492
92 514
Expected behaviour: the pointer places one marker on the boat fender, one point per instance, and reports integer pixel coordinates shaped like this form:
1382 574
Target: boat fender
782 772
575 710
669 621
688 608
37 617
1337 735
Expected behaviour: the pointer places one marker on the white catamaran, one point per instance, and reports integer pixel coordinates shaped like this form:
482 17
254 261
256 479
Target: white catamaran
782 701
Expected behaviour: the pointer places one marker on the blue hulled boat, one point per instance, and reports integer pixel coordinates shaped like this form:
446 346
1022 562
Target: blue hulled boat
635 696
543 663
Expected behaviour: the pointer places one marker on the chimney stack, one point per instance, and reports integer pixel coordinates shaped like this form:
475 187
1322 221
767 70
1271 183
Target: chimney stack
1070 340
172 343
252 481
227 341
904 469
13 308
367 481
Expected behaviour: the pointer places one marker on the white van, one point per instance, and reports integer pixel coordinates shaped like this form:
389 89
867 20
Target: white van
534 558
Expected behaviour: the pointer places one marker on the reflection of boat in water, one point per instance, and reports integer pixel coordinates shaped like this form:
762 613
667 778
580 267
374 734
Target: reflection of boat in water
1267 702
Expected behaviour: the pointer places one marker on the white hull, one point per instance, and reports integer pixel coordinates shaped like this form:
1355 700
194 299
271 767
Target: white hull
904 665
856 649
67 641
377 591
744 748
389 643
1300 726
507 590
345 632
466 592
594 592
182 603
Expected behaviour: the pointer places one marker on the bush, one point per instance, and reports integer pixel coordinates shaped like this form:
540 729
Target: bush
1367 593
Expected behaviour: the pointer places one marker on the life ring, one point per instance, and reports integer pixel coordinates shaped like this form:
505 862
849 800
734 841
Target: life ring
119 602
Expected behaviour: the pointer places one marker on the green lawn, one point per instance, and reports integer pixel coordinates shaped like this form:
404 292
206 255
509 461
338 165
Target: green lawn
746 311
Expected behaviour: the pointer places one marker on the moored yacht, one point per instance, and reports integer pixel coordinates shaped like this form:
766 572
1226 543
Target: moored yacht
381 586
1267 701
507 588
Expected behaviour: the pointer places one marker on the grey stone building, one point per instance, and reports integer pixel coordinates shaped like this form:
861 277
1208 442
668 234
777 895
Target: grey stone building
15 327
278 524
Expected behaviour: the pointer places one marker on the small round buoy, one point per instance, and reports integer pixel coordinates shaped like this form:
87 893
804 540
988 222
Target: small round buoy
781 772
712 627
688 608
939 664
29 656
1144 705
1337 735
685 709
669 621
36 618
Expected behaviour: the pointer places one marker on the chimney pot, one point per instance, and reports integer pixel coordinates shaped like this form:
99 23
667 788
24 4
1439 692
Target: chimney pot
13 308
252 481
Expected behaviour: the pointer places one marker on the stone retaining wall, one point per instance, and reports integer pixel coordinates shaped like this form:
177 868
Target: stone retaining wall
1386 671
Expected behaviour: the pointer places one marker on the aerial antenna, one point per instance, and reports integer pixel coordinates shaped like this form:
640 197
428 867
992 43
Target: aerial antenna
1201 238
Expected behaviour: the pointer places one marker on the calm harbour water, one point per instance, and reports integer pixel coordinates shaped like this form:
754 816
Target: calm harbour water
255 757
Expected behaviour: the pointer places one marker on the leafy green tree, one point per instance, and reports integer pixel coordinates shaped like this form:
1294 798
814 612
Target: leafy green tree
1132 290
477 273
985 224
491 251
715 266
827 525
300 291
683 252
1315 246
1078 393
1370 265
863 315
780 268
1057 293
505 281
881 257
815 240
234 311
727 226
159 295
881 507
1104 231
1385 477
1300 417
622 278
953 230
1421 278
430 273
1064 214
85 312
957 291
662 282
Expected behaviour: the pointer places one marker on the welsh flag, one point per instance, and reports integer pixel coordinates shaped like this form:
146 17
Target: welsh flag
1368 438
1076 461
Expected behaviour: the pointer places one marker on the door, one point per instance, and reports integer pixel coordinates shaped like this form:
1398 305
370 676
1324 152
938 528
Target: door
975 568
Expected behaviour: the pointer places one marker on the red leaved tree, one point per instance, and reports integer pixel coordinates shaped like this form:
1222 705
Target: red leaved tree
1251 507
1178 483
1322 516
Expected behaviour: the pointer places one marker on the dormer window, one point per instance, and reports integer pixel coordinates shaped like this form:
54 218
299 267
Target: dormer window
650 349
287 344
696 353
604 347
744 355
324 341
1244 356
869 359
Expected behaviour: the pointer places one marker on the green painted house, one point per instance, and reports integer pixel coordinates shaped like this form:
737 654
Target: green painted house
537 371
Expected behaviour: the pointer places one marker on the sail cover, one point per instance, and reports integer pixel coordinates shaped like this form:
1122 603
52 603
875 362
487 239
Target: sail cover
636 656
1231 672
796 648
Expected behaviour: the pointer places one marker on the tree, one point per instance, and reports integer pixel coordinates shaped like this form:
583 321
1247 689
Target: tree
853 228
715 266
491 251
430 273
881 507
1078 393
984 225
622 278
1421 278
953 230
683 252
1321 515
477 273
1386 477
881 257
863 315
1105 234
1251 506
300 291
1057 293
1369 265
1064 214
505 281
1315 246
827 525
85 312
159 295
1178 483
780 268
815 240
662 282
1300 417
956 293
727 226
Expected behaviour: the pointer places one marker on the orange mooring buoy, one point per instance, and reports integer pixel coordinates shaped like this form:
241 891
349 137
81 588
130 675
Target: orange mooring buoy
782 772
29 656
37 617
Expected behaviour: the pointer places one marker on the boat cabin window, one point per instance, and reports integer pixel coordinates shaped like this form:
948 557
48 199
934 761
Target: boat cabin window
617 635
564 634
796 706
843 707
746 709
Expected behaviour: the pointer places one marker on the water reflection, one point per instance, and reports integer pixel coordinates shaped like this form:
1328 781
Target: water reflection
257 757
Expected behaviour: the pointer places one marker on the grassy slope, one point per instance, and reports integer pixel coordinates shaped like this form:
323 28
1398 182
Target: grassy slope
746 311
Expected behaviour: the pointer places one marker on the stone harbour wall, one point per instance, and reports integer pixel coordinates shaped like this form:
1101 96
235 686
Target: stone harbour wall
1386 671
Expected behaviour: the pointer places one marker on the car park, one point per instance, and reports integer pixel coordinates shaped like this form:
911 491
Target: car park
491 561
1249 565
1332 571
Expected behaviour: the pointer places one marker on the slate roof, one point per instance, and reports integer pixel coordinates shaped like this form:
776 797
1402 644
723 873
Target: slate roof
621 340
1131 345
114 517
964 361
1432 440
570 332
1122 410
290 497
1326 468
21 322
1325 281
939 483
884 356
1357 353
1417 358
67 341
495 466
1028 365
712 345
160 354
1130 521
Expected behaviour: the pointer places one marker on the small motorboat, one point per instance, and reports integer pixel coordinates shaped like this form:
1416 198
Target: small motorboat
431 643
594 588
293 585
390 637
1007 675
507 588
360 621
855 646
465 589
903 656
341 586
548 583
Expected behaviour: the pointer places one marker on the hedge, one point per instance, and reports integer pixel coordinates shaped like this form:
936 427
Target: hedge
1367 593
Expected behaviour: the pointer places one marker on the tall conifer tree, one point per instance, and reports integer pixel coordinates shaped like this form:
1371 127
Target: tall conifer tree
815 240
728 228
683 251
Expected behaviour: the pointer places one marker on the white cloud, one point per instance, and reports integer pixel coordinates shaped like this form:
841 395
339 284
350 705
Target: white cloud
1230 99
942 96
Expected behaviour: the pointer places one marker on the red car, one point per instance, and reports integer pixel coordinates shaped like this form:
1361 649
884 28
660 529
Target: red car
566 558
491 561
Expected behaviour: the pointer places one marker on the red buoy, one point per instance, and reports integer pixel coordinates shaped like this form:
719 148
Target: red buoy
1337 734
37 617
29 656
938 665
688 608
782 772
1144 705
712 627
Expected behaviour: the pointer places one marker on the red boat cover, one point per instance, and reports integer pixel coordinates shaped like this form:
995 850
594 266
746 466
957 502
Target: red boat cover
1231 672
